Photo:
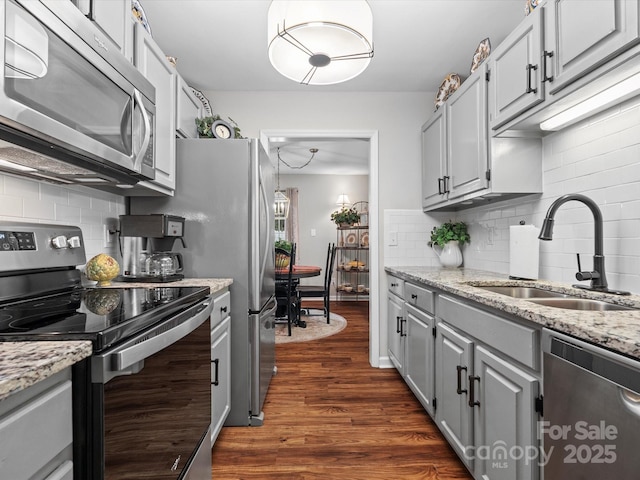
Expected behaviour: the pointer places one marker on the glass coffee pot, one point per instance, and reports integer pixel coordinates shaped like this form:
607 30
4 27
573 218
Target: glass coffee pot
163 264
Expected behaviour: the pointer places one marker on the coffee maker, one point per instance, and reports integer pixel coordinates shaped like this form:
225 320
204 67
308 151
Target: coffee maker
146 244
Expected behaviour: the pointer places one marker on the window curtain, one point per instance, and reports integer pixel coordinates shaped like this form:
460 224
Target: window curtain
291 224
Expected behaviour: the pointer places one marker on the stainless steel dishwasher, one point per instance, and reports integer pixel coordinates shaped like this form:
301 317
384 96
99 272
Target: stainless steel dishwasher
591 422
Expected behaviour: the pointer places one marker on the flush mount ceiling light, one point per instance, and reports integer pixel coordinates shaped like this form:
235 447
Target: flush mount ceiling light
320 42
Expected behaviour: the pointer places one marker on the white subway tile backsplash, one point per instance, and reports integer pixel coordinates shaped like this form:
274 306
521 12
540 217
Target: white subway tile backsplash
25 200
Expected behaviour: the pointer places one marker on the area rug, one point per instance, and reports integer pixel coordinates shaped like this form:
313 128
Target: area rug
317 327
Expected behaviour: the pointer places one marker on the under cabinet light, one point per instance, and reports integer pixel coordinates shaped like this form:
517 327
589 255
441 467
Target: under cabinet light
600 101
15 166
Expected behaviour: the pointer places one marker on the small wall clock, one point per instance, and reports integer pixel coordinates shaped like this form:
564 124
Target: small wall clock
222 129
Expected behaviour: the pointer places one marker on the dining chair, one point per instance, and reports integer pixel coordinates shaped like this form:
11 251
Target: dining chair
286 297
324 290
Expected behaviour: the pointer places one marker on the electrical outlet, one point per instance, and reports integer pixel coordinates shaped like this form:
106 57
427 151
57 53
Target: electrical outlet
109 232
393 239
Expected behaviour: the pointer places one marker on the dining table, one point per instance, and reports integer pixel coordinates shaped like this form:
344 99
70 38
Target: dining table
297 272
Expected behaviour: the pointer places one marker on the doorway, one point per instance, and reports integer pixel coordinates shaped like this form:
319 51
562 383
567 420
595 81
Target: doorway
271 138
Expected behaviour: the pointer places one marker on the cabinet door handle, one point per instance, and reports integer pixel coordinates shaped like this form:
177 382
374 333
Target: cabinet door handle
216 362
440 186
402 322
459 389
530 89
472 391
446 183
545 77
398 324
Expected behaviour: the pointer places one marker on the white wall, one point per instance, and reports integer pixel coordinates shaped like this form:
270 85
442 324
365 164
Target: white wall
317 195
397 117
24 200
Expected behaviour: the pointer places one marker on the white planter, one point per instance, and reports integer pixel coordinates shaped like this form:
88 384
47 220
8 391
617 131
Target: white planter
450 255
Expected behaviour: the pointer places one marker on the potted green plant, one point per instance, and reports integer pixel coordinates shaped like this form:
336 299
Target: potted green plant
448 237
282 260
345 217
204 126
283 244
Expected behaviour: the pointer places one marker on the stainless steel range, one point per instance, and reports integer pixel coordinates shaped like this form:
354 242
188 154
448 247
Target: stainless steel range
142 402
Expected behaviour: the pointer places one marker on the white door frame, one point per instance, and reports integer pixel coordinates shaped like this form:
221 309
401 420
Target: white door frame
374 260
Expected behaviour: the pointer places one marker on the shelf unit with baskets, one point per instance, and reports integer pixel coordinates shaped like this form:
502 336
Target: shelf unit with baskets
352 262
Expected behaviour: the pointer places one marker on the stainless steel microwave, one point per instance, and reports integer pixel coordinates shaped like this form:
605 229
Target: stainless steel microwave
73 109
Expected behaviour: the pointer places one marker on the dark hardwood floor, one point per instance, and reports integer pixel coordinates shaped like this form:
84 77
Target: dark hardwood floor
330 415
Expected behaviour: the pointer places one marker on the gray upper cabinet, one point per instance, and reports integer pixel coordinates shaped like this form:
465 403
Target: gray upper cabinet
581 36
434 160
461 164
467 138
515 71
153 64
556 53
188 108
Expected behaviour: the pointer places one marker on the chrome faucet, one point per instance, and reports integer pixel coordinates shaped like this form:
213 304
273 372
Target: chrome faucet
597 276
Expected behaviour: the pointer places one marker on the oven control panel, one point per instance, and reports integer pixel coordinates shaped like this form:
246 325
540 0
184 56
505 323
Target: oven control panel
17 241
30 246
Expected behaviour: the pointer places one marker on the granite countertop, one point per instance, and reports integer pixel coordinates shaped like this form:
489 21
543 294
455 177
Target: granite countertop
616 330
215 284
23 364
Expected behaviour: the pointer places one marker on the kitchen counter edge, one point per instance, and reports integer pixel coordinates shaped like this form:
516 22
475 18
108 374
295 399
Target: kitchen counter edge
23 364
616 330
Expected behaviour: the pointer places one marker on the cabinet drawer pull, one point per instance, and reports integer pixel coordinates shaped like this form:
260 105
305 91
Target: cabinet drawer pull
472 391
394 285
545 77
223 309
414 296
530 89
216 362
459 389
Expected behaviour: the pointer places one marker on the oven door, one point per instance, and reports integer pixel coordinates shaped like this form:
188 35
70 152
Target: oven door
150 402
65 84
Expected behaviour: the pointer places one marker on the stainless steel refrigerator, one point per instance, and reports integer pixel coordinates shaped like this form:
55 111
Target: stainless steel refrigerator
225 192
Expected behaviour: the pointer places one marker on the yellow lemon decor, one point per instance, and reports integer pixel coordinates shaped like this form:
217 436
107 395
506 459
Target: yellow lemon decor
103 269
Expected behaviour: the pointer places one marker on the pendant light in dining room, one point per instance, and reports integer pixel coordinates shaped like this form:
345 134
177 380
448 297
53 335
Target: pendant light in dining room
281 201
320 42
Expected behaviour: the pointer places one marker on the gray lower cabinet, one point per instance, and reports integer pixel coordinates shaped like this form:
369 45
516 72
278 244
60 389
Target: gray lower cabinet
454 357
36 432
220 363
486 399
420 343
396 331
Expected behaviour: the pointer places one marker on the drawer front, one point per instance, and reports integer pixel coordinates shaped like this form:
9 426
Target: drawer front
519 342
221 309
44 424
395 285
419 297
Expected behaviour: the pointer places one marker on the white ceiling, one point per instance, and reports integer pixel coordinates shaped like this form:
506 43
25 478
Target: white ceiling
221 45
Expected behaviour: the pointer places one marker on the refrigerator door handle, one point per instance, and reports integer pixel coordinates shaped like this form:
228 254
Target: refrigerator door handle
267 246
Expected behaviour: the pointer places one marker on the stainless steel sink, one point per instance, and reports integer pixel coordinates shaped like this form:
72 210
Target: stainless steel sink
554 299
522 292
579 304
